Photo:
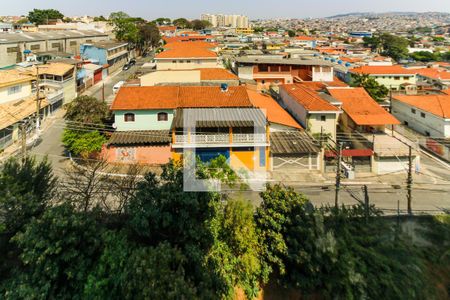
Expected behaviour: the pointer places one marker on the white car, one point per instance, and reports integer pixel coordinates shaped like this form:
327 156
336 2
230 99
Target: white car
117 86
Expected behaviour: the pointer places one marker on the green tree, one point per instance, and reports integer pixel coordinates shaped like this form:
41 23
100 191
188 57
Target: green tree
149 35
388 44
291 33
58 252
200 24
182 23
43 16
83 142
424 56
125 27
377 91
27 188
100 19
236 250
162 21
86 110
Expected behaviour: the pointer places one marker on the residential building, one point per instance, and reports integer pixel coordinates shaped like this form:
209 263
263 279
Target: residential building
233 21
365 133
151 128
265 72
187 56
427 114
313 110
304 41
392 77
438 78
206 77
17 104
16 46
111 55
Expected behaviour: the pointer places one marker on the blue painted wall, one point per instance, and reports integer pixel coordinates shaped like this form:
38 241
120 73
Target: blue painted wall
91 52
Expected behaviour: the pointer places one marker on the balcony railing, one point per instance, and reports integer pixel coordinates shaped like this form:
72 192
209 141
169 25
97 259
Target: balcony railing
205 139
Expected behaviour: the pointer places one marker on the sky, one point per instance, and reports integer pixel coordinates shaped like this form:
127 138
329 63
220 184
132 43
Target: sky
151 9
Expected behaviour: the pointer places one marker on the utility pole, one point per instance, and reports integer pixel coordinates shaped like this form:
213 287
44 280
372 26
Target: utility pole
409 181
103 92
38 100
23 130
338 176
366 203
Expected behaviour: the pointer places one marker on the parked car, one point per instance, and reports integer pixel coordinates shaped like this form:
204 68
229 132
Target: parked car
132 62
126 67
117 86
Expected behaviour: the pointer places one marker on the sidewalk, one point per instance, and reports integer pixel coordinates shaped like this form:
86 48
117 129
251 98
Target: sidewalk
15 148
99 85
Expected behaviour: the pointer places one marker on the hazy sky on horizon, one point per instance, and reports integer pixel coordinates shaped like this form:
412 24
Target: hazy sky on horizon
151 9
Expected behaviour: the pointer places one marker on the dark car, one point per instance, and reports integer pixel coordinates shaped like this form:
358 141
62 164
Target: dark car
132 62
126 67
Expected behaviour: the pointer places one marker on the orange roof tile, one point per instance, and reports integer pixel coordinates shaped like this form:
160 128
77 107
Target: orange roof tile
167 28
196 44
434 73
305 38
383 70
438 105
308 98
186 52
187 38
361 108
171 97
321 85
216 74
275 113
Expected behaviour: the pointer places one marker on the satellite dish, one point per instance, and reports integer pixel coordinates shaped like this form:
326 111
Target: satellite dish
114 126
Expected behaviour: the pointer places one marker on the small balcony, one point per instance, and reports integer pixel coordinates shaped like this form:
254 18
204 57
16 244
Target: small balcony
222 140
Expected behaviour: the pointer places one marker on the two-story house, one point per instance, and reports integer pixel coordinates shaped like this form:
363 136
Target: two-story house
110 55
187 55
17 104
392 77
268 71
157 123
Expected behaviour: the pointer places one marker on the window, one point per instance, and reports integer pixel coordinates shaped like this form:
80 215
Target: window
413 110
181 61
174 61
406 78
188 61
129 117
73 43
397 78
56 45
406 123
422 115
162 116
12 49
35 47
14 90
427 133
323 118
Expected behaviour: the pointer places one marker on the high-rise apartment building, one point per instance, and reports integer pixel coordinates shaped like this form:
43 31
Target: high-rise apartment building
233 21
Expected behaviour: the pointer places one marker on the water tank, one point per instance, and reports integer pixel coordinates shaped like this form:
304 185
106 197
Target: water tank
340 62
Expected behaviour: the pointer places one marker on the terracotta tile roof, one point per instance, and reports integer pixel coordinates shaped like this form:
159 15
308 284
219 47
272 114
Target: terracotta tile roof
172 97
275 113
305 38
196 44
167 28
438 105
216 74
187 51
321 85
361 108
383 70
434 73
308 98
187 38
